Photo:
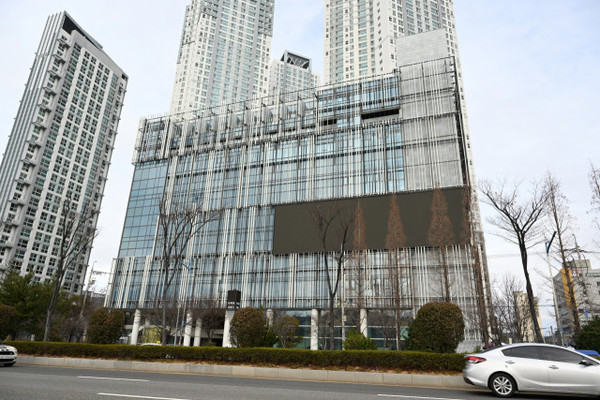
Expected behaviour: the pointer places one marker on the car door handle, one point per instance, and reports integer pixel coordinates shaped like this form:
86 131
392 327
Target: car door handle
510 362
553 367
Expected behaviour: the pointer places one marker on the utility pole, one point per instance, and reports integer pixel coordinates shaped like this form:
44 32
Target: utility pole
90 282
583 282
87 289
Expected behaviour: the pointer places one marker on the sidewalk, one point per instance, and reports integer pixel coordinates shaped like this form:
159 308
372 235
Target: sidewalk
376 378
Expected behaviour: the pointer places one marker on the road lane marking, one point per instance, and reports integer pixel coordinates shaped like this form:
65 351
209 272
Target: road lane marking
113 379
133 396
400 396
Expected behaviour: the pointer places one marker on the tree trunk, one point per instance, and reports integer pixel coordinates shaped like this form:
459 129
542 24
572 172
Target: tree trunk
530 298
572 299
51 308
483 320
446 275
164 307
331 323
568 276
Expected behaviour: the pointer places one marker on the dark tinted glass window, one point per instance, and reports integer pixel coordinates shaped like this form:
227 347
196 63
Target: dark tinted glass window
522 352
560 355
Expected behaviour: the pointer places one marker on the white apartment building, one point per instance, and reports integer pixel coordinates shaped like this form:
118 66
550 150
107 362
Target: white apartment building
224 53
59 149
361 35
523 315
291 73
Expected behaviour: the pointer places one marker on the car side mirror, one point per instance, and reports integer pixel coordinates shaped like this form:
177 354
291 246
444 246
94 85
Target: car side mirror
585 362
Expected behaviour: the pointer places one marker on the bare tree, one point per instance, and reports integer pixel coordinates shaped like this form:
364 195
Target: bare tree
333 225
76 231
561 222
485 316
440 236
358 259
159 328
511 323
519 223
178 224
286 329
385 322
395 243
211 313
595 186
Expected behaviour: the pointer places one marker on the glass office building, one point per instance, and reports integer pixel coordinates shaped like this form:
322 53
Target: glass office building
264 165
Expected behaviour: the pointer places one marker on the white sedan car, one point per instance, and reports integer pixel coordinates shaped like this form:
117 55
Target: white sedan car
533 367
8 355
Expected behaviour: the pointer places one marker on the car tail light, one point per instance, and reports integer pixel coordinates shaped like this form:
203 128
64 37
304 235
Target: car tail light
474 359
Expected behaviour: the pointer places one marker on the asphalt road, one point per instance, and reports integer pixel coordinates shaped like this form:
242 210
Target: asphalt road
23 382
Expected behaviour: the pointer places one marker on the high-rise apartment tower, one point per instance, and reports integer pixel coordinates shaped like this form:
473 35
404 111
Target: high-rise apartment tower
361 35
291 73
224 53
59 149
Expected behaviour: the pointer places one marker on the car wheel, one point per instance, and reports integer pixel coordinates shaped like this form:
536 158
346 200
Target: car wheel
503 385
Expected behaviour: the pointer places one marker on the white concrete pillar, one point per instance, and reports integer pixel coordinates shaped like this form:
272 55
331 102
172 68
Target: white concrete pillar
187 331
364 323
136 327
314 329
227 328
270 317
198 332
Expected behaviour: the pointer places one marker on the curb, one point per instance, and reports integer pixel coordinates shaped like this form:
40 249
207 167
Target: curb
375 378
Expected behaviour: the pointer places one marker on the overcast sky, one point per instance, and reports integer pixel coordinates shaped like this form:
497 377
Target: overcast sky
531 73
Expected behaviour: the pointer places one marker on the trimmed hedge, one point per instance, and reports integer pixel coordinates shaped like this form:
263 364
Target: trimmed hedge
294 358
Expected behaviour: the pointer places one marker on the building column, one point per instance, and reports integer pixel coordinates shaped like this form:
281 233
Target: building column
198 332
364 323
227 328
314 329
136 327
187 331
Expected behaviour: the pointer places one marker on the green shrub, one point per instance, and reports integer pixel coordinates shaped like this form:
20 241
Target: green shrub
247 327
268 338
438 327
589 336
105 326
293 358
357 341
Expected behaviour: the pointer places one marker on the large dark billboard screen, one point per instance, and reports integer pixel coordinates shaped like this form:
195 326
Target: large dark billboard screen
296 229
